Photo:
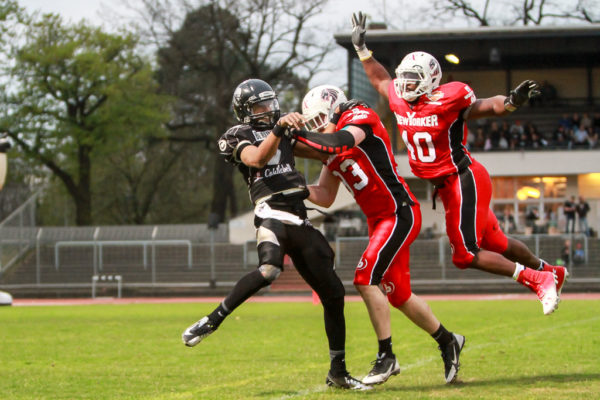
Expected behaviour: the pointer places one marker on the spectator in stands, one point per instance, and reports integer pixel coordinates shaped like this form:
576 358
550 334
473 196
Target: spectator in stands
596 122
487 145
508 221
565 253
569 210
470 139
561 137
503 143
575 120
524 141
537 141
517 129
479 141
582 208
586 121
578 254
565 121
494 134
581 137
531 218
593 136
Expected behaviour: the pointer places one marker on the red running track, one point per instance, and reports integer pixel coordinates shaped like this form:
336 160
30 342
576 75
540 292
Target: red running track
281 299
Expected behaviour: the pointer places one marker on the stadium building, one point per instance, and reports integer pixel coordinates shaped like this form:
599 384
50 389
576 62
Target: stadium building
541 175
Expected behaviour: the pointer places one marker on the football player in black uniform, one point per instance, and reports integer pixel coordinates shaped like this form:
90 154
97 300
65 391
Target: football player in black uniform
265 157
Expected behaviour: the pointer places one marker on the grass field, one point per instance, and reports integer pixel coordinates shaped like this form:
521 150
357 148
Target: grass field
279 351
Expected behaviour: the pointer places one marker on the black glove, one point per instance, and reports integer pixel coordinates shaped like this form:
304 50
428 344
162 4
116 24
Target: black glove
345 106
358 30
521 94
279 130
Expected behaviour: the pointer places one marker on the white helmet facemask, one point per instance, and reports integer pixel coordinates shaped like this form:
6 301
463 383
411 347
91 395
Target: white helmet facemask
319 104
419 69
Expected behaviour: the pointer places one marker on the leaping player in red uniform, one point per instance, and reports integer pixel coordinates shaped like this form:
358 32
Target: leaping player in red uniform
432 120
359 154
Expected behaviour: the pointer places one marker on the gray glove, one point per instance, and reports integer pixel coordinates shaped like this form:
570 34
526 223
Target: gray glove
358 30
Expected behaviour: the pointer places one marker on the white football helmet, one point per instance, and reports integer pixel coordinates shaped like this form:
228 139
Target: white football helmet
421 69
319 105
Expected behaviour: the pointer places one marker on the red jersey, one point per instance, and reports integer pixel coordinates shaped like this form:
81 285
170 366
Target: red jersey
434 130
368 170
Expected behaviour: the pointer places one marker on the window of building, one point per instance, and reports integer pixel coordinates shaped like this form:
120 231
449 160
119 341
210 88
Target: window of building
528 204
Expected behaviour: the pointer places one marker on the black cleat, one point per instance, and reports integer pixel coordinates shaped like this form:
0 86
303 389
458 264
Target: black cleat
345 381
451 355
195 333
383 368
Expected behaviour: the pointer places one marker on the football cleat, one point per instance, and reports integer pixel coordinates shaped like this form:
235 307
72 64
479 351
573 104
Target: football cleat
561 276
451 357
383 368
345 381
195 333
543 284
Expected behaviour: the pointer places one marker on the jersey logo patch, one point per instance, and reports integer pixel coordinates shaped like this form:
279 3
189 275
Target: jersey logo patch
362 264
388 287
435 96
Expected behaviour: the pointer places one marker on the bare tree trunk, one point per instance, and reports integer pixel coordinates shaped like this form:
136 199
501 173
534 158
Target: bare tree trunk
223 190
83 198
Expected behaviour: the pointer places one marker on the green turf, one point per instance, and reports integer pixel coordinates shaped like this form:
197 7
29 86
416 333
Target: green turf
279 351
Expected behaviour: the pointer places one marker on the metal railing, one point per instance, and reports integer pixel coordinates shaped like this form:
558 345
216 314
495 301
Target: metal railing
17 233
184 263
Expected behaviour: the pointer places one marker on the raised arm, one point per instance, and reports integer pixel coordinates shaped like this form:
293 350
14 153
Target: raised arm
377 74
502 105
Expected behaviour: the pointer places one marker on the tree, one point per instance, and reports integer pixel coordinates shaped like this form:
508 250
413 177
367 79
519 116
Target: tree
73 95
523 12
205 54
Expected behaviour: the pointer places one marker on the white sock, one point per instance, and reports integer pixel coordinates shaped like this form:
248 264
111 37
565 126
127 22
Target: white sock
518 269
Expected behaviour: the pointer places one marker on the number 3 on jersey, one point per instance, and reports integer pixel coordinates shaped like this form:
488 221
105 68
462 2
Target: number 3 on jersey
423 143
363 179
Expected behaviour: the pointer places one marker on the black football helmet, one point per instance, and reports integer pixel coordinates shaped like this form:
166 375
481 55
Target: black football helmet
255 103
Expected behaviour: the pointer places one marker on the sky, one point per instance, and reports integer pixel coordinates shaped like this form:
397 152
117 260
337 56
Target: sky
336 18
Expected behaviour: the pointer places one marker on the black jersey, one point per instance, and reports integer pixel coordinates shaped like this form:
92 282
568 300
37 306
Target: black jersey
277 176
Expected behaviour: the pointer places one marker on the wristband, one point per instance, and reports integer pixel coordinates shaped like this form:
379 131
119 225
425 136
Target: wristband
364 53
278 130
508 106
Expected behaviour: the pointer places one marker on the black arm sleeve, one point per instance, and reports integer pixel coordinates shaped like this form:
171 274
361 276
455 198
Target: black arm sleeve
330 143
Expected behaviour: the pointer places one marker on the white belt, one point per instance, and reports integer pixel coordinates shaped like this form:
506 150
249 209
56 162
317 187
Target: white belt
264 211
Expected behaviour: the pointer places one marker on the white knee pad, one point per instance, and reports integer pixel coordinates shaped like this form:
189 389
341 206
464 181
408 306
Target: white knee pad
269 272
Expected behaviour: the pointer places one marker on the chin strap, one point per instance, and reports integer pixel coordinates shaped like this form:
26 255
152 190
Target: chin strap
330 143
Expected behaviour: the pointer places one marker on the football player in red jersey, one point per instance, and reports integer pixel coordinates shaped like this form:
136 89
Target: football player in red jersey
359 154
432 120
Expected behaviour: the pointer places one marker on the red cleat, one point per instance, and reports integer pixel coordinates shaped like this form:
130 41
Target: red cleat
561 274
543 284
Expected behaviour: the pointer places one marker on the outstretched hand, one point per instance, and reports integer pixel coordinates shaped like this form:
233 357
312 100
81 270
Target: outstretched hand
521 94
358 30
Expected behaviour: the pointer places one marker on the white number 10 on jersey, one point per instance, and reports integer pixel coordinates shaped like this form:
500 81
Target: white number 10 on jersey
420 141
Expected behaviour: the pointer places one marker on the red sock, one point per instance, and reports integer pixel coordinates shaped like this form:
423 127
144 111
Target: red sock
528 277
